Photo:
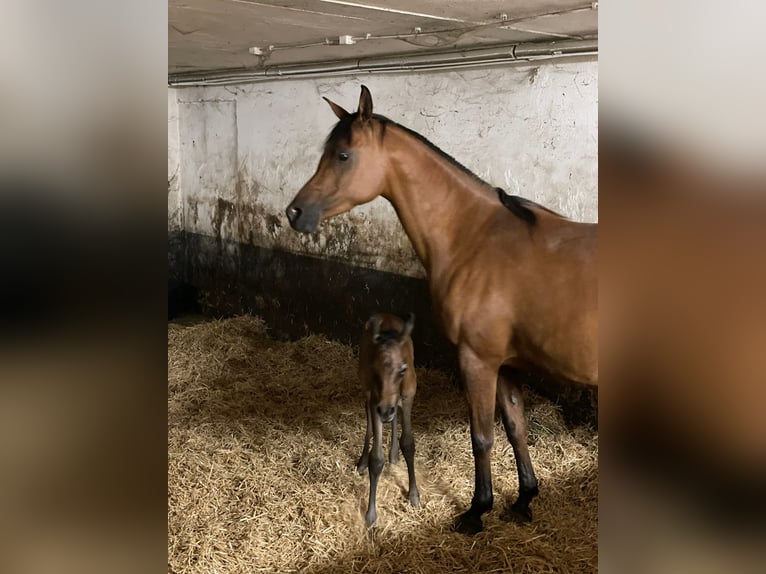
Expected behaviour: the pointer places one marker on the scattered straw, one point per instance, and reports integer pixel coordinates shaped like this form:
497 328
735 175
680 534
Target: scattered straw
262 439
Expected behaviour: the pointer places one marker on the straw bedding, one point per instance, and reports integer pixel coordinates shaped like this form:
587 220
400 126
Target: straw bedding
262 439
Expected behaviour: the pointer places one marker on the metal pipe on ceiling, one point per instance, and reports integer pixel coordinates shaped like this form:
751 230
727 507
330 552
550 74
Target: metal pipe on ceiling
418 61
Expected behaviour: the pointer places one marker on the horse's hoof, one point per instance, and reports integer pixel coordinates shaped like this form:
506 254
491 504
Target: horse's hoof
517 514
415 498
369 521
468 523
360 468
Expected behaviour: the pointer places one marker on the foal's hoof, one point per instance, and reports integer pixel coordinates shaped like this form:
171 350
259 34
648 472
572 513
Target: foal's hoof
415 498
517 514
468 523
361 466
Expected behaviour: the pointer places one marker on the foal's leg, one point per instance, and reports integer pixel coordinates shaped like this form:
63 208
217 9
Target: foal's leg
393 452
407 442
376 465
365 457
480 382
512 410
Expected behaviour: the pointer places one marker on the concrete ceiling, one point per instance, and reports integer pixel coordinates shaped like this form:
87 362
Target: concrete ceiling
217 34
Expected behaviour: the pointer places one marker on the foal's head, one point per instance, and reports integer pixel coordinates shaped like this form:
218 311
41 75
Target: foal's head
352 170
390 359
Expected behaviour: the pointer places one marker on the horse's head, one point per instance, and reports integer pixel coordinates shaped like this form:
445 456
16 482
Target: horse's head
351 171
390 361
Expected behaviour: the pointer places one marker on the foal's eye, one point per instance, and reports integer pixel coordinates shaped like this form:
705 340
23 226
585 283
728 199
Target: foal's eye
403 369
342 156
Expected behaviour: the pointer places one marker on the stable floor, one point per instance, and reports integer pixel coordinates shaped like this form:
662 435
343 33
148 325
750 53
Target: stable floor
263 437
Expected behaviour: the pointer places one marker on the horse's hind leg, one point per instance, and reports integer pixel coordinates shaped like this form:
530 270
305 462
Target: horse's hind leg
393 452
511 405
364 459
407 443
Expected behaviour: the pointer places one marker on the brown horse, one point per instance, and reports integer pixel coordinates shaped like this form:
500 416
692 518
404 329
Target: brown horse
387 374
512 284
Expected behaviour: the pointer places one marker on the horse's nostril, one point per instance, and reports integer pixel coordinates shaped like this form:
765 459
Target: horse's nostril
293 213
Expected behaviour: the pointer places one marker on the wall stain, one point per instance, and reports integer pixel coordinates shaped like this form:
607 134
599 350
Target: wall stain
172 182
351 237
273 220
298 295
193 209
223 211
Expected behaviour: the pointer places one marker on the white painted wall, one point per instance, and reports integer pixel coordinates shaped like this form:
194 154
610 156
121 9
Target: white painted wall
175 220
531 130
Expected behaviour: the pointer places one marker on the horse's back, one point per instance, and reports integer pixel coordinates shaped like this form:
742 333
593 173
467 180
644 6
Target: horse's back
549 274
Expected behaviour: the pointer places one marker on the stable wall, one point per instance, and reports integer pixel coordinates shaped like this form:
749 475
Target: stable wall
238 154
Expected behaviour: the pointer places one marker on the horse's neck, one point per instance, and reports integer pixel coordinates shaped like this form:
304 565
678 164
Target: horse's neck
438 203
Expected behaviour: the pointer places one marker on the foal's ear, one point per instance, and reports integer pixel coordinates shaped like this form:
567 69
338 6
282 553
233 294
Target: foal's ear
408 325
365 105
340 112
373 324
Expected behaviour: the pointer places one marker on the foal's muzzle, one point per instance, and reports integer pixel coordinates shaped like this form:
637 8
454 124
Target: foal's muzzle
386 413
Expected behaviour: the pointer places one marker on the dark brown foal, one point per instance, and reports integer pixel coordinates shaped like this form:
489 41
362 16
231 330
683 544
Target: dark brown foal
388 379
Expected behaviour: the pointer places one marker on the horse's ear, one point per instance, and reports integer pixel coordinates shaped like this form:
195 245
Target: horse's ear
340 112
373 324
409 325
365 104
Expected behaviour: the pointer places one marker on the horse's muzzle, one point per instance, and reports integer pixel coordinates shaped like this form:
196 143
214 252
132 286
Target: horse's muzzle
293 213
304 219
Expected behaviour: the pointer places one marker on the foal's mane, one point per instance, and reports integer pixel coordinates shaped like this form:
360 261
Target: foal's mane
517 205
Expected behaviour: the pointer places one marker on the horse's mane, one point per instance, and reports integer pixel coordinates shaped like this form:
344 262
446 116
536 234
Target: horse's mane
517 205
520 206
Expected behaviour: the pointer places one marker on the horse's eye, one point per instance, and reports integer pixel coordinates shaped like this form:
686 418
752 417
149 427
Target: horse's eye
403 369
342 156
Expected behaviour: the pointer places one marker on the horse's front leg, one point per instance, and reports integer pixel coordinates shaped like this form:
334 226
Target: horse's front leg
393 452
376 464
480 379
364 458
407 442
